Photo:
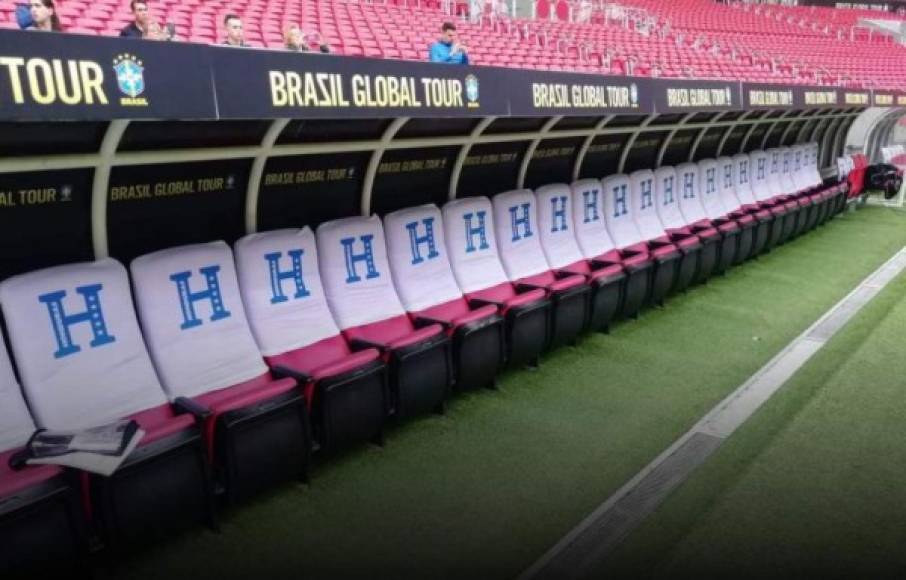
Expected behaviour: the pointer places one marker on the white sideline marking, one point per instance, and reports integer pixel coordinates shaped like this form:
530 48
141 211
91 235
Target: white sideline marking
720 422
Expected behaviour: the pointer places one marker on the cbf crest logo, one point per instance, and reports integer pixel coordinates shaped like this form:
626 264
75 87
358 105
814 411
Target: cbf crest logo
633 95
130 79
472 91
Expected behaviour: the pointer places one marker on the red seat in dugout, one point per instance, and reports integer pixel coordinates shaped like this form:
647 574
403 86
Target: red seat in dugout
665 257
472 247
346 392
87 366
728 204
352 256
599 250
417 249
748 204
255 425
40 515
697 221
516 225
713 213
557 232
644 211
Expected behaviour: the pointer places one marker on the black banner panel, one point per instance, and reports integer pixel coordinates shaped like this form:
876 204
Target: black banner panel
552 162
709 143
530 93
491 168
680 147
45 219
643 154
603 156
409 177
150 207
265 84
75 77
310 189
674 95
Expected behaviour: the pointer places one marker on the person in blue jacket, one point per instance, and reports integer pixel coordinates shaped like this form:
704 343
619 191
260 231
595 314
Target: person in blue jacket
447 49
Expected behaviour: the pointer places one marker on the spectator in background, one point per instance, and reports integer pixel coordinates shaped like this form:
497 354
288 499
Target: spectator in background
44 16
233 26
143 26
294 39
447 49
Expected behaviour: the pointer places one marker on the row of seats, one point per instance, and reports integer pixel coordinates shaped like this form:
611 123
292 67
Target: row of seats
238 363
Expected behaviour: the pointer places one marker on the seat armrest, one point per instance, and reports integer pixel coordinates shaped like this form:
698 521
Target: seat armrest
283 372
361 344
527 287
479 302
191 406
596 263
561 274
423 321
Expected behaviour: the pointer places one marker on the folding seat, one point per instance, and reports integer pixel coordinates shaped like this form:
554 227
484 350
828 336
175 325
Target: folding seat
687 210
255 425
764 196
516 224
748 204
606 279
352 258
472 249
428 291
714 212
86 365
726 190
346 393
41 523
649 223
778 188
626 235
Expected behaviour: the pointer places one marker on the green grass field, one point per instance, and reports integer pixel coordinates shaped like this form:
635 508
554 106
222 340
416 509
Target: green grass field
812 486
485 490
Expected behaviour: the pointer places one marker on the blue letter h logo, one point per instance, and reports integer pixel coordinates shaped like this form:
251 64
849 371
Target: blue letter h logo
277 276
351 259
619 201
523 221
472 232
646 194
60 321
668 190
187 298
558 214
710 176
415 241
688 186
590 205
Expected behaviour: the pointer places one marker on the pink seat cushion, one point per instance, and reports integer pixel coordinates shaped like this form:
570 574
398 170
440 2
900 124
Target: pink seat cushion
13 481
326 358
549 281
504 294
392 333
253 391
456 312
161 422
584 267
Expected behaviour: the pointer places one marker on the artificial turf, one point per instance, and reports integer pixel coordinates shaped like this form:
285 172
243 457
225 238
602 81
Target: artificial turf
485 490
812 486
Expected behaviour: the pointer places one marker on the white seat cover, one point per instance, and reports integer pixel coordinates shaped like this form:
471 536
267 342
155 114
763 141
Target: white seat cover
801 177
709 188
617 192
775 183
472 245
588 218
759 168
555 225
193 319
77 344
516 225
16 425
667 193
644 208
812 165
743 174
418 257
281 290
352 256
845 165
689 195
726 184
786 171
